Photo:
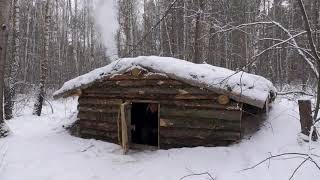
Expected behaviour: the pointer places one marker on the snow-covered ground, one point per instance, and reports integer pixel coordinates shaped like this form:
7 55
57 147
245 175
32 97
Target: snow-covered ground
40 149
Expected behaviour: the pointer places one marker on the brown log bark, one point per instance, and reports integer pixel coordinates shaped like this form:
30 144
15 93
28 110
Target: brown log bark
199 123
98 116
200 113
306 118
155 97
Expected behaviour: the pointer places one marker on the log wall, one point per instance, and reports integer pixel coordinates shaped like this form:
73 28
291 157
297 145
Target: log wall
189 116
98 118
185 126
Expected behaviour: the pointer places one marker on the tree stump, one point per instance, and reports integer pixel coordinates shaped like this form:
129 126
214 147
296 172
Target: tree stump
306 120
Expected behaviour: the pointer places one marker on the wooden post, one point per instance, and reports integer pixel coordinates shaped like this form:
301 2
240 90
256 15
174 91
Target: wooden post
306 120
125 109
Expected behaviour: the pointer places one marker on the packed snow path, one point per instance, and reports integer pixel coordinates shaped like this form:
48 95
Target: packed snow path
40 149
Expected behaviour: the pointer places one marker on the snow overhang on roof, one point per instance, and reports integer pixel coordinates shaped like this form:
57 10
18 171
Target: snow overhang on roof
240 86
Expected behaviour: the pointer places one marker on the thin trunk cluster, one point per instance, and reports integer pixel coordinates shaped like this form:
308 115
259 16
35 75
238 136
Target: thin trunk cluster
227 33
49 44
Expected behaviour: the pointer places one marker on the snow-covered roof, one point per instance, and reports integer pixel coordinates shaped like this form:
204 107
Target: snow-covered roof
240 86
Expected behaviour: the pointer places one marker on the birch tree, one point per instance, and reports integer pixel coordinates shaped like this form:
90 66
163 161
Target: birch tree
15 61
4 5
75 45
44 63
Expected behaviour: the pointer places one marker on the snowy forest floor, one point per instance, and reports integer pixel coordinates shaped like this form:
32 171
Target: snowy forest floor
39 148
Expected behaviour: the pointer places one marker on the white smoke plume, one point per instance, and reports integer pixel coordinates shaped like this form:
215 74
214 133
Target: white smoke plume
106 19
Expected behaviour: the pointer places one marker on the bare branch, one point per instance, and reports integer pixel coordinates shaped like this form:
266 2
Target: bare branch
295 92
294 172
200 174
271 22
284 154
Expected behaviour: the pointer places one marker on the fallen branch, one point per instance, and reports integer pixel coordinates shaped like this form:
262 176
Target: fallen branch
307 157
52 111
200 174
86 149
294 92
284 154
294 172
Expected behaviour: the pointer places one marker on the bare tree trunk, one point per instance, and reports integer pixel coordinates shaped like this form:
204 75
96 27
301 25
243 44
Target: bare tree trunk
198 29
44 64
306 121
75 37
4 4
14 65
26 58
313 50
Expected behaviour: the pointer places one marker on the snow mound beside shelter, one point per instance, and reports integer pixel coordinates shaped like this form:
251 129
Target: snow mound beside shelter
239 86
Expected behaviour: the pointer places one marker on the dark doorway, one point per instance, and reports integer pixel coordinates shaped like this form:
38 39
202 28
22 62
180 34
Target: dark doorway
145 123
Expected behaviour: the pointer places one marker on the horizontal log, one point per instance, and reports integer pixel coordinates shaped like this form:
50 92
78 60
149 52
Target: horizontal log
139 83
84 101
102 138
181 133
97 116
98 125
201 104
211 105
99 101
155 97
200 113
151 76
168 143
189 103
103 105
201 123
149 90
99 108
98 133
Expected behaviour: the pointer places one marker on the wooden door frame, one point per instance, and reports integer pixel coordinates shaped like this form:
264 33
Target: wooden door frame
142 146
125 123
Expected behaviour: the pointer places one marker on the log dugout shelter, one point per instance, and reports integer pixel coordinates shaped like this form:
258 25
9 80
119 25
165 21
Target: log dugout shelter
196 105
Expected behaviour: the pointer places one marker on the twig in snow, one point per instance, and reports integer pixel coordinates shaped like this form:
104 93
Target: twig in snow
294 92
307 157
86 149
284 154
294 172
200 174
269 162
49 104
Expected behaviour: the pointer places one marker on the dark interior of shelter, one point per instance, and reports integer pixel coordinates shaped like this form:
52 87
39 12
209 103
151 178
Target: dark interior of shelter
145 124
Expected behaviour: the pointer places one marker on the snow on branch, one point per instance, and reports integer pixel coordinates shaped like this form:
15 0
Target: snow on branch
295 44
271 22
275 45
